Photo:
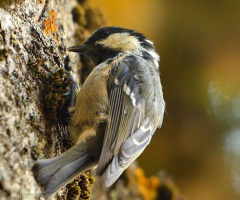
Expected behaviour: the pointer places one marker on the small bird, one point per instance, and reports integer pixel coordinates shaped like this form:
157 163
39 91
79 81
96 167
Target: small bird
117 110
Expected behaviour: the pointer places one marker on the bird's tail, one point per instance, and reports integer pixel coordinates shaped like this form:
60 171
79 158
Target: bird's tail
55 173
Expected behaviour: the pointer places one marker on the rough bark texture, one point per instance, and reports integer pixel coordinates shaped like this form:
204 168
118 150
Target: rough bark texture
34 35
33 40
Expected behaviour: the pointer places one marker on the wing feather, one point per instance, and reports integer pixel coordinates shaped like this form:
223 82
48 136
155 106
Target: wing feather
129 151
128 130
112 126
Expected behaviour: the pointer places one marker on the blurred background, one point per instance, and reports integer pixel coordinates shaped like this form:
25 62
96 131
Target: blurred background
199 44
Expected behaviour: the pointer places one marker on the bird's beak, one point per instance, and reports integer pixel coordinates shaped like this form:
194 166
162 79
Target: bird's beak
78 49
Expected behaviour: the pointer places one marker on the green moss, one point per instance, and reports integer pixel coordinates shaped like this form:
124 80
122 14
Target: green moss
57 87
37 150
81 187
36 69
74 191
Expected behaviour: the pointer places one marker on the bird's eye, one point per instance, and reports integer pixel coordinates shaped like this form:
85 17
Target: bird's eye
104 34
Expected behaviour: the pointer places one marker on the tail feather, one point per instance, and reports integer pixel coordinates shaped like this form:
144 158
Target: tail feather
55 173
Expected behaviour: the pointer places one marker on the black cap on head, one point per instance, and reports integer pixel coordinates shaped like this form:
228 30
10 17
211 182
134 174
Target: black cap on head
107 42
104 32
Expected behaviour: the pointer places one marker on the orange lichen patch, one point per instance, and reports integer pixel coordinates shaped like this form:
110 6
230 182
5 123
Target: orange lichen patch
41 1
50 26
147 186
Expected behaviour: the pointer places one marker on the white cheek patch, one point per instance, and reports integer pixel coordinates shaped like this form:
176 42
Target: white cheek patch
122 41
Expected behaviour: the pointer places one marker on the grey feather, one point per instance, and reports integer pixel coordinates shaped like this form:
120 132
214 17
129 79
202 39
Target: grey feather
114 112
129 151
124 117
55 173
142 108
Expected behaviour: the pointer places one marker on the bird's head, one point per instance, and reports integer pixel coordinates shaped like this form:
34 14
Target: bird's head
107 42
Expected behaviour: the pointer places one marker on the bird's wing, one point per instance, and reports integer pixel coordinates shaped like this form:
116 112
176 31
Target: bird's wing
128 131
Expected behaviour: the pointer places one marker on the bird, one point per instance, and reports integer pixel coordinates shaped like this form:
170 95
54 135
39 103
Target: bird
116 112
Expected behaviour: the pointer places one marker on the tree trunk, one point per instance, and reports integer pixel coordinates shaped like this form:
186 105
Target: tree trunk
34 35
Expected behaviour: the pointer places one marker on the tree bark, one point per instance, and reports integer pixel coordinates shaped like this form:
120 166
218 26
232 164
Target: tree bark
34 35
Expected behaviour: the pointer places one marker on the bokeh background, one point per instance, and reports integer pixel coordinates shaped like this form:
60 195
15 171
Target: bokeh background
199 44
